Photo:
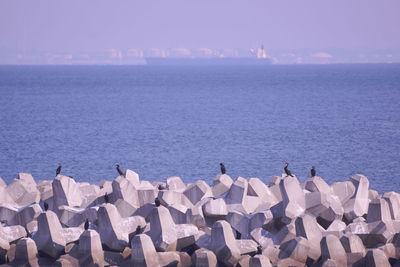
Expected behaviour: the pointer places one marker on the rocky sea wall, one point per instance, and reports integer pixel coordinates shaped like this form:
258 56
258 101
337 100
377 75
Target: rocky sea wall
241 222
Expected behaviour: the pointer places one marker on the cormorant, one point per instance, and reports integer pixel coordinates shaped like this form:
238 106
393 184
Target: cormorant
157 202
46 206
160 187
223 170
119 170
313 171
238 235
106 198
58 171
287 171
138 230
86 224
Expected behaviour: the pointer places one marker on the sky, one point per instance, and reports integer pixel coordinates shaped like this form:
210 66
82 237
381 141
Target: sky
71 25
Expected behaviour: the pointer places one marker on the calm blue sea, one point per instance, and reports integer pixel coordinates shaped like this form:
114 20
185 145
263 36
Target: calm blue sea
183 120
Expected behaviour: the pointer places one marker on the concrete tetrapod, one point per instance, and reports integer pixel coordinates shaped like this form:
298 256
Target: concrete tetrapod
26 252
221 184
109 228
49 238
260 261
357 205
393 200
23 190
237 192
223 243
66 192
378 210
197 191
175 183
187 234
143 252
230 223
124 189
331 248
296 249
293 202
307 227
90 249
204 258
162 229
376 258
257 188
28 214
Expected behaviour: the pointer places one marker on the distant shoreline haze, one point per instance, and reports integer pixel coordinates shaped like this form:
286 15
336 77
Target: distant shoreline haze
134 56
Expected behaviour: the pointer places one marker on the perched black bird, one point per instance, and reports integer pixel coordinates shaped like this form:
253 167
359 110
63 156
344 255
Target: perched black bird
238 235
138 230
106 198
287 171
259 249
157 202
119 170
86 224
46 206
223 170
313 172
160 187
58 171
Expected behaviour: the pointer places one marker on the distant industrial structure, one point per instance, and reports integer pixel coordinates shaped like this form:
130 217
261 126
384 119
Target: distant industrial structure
137 56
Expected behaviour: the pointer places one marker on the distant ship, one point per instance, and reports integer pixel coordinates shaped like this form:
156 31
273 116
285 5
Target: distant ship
256 58
261 54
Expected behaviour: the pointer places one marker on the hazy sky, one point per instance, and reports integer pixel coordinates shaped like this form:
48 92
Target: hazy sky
296 24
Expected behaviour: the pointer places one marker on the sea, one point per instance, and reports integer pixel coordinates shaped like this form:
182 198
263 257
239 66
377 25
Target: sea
176 120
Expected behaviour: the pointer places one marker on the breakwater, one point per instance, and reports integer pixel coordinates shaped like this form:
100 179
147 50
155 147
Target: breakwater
233 222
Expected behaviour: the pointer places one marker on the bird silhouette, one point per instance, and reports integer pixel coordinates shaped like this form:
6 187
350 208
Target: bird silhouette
58 171
223 170
313 172
238 235
106 198
160 187
119 170
138 230
46 206
287 171
157 202
86 224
